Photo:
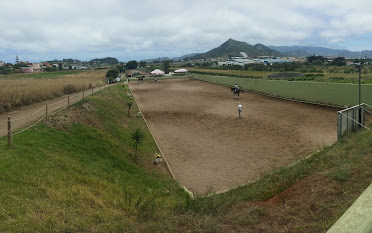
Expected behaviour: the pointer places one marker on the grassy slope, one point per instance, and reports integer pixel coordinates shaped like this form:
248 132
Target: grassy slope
84 178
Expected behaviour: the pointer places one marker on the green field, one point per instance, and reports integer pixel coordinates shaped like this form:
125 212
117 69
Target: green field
323 74
336 94
78 174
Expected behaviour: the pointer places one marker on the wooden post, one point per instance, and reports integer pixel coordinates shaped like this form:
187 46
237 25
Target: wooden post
9 133
46 113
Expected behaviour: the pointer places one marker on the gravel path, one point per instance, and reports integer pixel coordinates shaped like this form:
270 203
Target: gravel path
26 116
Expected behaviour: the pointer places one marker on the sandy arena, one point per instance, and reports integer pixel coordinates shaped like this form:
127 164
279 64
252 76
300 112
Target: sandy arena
209 148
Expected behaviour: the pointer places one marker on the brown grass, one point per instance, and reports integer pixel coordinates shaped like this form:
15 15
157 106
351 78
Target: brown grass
19 90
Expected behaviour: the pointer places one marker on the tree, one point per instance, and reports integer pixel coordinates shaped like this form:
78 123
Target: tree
60 67
142 63
137 137
317 62
166 66
129 105
339 61
314 58
50 69
121 68
131 65
112 74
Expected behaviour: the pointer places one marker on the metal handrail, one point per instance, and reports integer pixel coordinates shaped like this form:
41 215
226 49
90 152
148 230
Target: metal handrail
354 120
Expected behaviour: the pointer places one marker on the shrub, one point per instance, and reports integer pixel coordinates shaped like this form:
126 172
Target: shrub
69 89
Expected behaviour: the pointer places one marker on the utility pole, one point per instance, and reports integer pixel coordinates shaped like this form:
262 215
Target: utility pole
359 67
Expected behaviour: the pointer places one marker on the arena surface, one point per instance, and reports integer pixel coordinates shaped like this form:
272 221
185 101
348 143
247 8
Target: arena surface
209 148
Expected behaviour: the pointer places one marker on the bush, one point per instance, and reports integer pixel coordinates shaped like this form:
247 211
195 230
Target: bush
69 89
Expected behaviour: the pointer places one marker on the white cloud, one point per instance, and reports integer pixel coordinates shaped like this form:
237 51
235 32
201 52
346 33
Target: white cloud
140 29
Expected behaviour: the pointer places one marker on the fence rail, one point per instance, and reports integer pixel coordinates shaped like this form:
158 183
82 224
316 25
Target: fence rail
352 119
30 120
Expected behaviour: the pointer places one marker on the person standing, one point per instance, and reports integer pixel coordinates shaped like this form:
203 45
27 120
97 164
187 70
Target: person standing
240 106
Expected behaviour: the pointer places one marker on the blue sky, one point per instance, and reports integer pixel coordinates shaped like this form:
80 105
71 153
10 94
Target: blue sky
52 29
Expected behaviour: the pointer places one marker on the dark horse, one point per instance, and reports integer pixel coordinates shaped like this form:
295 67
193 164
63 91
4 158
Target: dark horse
140 78
236 91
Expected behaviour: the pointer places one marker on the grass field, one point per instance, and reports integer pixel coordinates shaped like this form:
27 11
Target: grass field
24 89
78 174
335 94
336 76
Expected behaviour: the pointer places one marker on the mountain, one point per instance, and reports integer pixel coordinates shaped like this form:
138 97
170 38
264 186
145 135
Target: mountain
232 48
304 51
185 56
266 51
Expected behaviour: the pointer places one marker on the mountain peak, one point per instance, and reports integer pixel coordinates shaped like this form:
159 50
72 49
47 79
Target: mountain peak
233 48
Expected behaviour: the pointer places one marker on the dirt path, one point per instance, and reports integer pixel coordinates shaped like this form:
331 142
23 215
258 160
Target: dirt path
26 116
208 147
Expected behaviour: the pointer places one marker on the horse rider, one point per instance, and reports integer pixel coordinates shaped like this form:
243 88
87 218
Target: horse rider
240 106
236 87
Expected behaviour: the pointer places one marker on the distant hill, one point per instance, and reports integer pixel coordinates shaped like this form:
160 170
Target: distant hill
185 56
106 60
159 59
304 51
232 48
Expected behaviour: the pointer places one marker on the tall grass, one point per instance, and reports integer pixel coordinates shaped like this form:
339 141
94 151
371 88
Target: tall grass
20 90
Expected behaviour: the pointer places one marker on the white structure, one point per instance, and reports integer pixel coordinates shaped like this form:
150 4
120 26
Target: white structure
244 54
181 71
157 72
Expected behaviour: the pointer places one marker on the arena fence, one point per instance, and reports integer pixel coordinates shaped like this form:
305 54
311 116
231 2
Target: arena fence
351 119
17 126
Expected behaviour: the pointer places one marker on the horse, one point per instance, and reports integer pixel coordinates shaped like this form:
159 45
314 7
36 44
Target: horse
236 91
140 78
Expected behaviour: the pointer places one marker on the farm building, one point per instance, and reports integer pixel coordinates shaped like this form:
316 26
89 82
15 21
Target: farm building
27 69
181 72
157 72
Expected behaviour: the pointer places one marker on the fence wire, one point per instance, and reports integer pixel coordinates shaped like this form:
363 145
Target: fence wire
29 115
72 100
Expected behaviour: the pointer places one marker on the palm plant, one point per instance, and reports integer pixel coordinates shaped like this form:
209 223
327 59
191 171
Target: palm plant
137 137
129 105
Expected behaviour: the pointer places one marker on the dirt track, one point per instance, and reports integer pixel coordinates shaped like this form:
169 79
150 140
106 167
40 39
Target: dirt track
208 147
30 114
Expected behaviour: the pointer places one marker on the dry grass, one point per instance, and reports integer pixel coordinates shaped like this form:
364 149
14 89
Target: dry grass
20 90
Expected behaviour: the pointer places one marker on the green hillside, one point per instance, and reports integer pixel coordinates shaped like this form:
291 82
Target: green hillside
78 174
232 48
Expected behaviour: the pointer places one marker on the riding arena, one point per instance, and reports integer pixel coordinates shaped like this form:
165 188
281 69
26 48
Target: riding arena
209 148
